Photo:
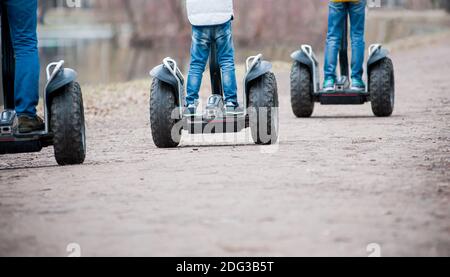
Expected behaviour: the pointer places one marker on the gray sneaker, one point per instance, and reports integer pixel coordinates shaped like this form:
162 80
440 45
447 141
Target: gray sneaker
232 109
190 110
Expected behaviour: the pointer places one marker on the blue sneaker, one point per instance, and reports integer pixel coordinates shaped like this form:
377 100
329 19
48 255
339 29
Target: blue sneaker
358 85
329 84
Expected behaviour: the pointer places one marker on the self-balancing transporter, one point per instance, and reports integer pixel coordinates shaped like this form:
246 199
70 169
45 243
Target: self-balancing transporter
305 81
63 110
259 104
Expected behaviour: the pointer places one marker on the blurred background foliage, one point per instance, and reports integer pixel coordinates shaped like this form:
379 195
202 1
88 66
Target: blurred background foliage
121 40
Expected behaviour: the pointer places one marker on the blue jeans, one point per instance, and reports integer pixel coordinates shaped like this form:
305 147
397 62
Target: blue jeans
202 37
22 16
336 19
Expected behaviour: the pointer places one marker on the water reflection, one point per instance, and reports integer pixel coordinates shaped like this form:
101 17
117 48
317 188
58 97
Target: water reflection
103 61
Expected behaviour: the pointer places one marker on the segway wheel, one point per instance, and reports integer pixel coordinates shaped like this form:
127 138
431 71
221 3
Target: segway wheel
382 88
302 100
68 126
166 130
263 110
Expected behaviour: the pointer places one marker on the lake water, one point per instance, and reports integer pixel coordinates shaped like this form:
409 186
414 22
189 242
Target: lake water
102 61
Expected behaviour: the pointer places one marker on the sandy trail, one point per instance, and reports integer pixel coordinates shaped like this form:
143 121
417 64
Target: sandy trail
336 183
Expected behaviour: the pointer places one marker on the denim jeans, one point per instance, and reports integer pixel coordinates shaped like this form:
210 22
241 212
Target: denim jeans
202 38
22 16
336 20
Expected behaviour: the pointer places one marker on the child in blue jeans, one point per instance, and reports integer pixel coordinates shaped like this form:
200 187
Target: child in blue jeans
211 23
338 11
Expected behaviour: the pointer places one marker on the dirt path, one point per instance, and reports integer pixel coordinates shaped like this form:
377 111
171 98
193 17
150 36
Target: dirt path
336 183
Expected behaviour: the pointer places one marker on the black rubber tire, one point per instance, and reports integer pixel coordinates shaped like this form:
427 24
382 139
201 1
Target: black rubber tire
264 97
382 88
67 125
302 100
162 122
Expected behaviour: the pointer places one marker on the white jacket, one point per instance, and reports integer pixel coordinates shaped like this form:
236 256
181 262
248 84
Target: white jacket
209 12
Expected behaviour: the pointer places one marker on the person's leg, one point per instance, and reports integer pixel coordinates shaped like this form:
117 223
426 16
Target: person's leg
201 43
336 17
357 19
22 16
225 55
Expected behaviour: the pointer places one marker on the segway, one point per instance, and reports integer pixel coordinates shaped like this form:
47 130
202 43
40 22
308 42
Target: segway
259 104
63 110
305 81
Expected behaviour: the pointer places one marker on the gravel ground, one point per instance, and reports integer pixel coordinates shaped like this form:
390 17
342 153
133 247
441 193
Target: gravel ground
335 184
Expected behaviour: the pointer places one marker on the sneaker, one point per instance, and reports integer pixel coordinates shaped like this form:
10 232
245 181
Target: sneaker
232 109
358 85
329 84
29 124
215 107
190 110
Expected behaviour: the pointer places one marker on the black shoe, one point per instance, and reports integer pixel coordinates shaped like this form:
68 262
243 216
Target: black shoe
29 124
